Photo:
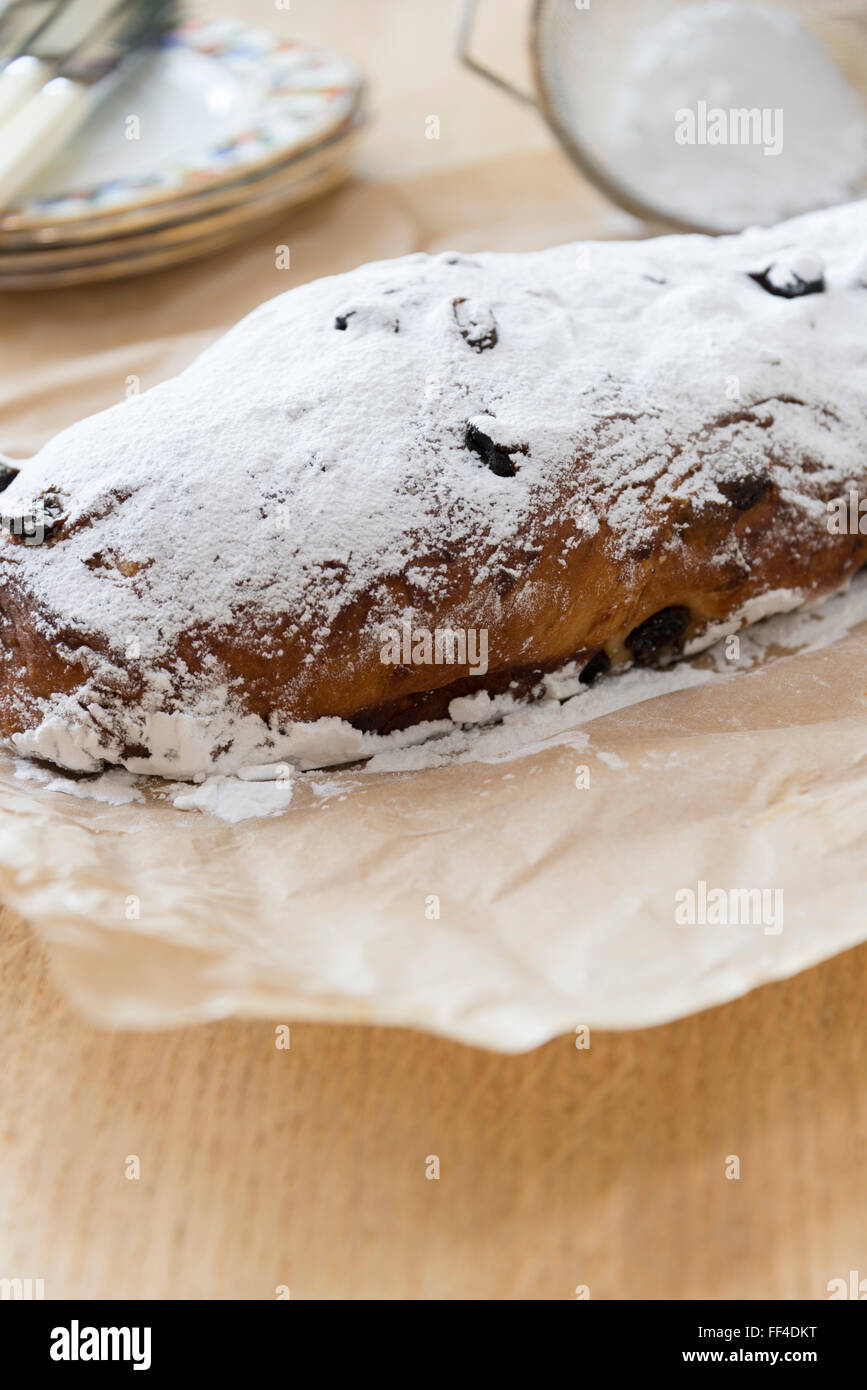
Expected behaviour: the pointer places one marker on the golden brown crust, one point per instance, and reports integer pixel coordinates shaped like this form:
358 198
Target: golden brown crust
589 605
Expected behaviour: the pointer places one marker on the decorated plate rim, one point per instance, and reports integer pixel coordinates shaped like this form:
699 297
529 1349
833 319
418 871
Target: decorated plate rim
256 145
231 193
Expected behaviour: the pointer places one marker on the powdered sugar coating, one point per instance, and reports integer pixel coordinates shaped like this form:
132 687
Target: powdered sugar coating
298 464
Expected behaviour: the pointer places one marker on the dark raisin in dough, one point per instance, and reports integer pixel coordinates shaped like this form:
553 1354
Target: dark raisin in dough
793 287
54 516
745 493
476 324
658 633
342 320
47 509
597 666
491 454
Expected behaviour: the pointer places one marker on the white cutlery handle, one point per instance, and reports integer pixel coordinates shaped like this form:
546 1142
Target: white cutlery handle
31 137
19 82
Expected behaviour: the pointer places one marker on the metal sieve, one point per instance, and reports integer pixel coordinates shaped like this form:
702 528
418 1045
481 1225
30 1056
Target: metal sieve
582 52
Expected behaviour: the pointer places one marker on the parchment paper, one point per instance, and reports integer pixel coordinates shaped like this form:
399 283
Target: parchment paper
555 901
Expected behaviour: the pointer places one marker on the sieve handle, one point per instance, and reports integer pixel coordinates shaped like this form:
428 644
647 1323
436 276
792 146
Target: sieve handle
468 14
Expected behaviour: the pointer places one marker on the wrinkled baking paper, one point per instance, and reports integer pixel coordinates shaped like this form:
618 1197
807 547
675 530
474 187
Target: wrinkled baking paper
499 903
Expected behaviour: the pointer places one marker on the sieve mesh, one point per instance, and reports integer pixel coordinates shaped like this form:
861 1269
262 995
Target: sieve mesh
584 67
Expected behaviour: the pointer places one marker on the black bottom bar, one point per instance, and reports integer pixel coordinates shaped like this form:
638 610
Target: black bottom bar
75 1339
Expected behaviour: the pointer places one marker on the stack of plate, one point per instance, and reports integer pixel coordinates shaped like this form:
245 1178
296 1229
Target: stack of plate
213 132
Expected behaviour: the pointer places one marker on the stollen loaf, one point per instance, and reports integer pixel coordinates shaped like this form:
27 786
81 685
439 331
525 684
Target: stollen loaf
385 495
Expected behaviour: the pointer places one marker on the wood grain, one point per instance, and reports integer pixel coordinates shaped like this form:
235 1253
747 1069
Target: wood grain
306 1167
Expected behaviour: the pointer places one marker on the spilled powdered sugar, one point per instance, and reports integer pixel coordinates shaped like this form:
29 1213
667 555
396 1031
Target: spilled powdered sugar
114 788
233 800
321 455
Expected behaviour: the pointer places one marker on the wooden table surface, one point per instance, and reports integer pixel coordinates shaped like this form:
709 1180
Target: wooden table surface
307 1167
